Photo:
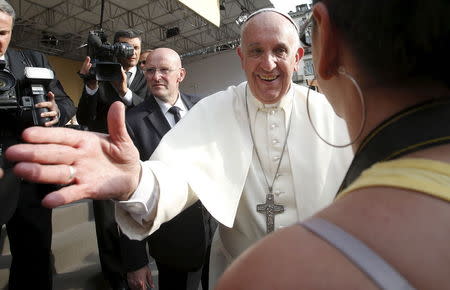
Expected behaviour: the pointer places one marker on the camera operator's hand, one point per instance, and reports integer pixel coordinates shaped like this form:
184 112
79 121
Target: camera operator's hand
53 110
85 67
121 86
1 173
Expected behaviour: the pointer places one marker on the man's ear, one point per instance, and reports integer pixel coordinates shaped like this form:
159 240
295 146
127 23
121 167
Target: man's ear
241 55
326 48
182 75
298 57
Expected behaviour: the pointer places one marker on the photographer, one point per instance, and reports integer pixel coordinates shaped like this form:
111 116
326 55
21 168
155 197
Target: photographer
98 96
92 112
30 228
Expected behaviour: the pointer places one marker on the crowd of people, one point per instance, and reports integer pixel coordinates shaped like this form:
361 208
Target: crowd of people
262 185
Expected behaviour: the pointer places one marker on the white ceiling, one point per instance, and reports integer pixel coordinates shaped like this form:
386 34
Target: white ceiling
69 22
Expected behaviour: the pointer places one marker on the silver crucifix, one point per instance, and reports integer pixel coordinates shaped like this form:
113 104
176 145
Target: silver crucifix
270 209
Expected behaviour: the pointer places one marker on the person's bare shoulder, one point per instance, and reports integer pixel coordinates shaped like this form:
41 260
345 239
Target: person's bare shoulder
292 258
401 226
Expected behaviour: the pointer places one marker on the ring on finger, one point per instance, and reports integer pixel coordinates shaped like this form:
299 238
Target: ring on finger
72 172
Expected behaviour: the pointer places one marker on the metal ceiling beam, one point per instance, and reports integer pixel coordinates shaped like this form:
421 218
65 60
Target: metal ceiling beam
71 20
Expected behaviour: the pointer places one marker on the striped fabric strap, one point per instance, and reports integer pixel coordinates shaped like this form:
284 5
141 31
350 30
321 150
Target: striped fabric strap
381 273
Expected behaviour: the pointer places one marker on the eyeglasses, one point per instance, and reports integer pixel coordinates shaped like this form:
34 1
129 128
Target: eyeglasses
163 71
306 31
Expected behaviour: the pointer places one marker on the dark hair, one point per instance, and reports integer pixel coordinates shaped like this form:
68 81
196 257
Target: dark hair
127 33
395 40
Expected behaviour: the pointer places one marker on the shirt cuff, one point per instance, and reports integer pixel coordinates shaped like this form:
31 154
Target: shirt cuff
127 99
144 200
90 91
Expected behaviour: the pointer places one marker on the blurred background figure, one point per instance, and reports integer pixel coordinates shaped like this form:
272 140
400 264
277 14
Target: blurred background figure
143 57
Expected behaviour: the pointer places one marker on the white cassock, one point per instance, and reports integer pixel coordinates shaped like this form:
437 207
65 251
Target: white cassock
210 155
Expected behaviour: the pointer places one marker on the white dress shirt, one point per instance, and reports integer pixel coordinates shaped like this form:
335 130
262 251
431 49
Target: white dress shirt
166 106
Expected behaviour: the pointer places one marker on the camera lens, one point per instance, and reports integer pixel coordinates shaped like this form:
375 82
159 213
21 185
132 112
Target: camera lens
7 81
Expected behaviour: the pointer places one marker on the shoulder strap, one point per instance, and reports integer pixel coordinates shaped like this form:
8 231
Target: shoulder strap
369 262
410 130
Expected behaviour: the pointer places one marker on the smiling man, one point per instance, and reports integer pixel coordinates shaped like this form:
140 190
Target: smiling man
248 153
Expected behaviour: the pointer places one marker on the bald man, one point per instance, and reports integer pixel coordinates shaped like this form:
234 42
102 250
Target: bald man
179 246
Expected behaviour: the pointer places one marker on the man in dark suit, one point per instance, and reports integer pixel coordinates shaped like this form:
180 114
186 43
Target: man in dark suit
97 97
92 112
180 247
30 227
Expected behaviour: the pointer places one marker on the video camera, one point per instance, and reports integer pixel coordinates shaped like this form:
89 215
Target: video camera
23 107
103 55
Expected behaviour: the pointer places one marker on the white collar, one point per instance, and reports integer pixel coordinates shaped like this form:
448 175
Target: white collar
166 106
132 70
285 103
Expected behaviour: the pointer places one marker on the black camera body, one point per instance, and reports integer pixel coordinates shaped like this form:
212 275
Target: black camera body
103 57
22 107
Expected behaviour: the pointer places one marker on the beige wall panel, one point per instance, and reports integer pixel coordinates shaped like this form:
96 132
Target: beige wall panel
66 71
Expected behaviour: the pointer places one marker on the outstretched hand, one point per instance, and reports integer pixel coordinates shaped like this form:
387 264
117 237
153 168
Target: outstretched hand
92 165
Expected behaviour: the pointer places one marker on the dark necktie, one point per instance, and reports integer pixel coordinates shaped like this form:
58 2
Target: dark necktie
176 113
128 73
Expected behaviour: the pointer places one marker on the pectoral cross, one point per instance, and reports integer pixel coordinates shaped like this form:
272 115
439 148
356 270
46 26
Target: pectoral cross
270 209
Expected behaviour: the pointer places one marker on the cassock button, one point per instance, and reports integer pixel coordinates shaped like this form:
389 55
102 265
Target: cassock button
273 126
276 158
272 112
275 141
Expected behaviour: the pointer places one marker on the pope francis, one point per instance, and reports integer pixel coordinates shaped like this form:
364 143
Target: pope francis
249 153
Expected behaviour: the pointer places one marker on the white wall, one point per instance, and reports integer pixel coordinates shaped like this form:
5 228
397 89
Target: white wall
210 74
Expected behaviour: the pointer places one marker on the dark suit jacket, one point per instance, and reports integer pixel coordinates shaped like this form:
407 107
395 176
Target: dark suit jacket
93 110
182 242
11 126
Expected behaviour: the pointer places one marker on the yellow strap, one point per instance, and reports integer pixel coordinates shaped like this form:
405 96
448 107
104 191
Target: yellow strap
423 175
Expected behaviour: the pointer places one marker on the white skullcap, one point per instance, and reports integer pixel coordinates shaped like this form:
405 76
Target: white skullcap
273 10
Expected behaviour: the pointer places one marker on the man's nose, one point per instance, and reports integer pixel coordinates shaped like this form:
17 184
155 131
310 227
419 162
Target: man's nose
268 62
157 75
